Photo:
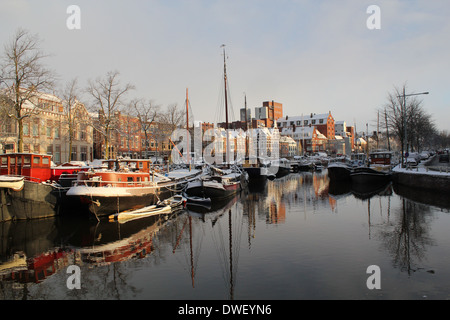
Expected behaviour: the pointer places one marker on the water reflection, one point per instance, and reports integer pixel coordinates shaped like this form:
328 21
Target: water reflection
34 255
408 236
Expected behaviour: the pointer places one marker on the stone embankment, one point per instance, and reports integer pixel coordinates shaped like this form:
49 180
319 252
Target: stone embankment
432 175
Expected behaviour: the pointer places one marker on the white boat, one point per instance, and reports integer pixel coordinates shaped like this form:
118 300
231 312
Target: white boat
129 215
11 182
176 202
169 205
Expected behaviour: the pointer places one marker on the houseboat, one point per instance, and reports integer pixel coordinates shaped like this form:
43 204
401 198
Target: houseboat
27 188
125 184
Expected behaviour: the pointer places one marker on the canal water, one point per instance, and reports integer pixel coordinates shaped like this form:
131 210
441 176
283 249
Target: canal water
297 237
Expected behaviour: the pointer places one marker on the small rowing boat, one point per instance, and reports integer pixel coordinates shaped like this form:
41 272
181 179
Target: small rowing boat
169 205
152 210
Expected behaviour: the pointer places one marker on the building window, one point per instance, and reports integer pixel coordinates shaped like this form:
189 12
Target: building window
83 151
57 155
50 150
49 129
35 129
83 133
74 153
26 130
57 130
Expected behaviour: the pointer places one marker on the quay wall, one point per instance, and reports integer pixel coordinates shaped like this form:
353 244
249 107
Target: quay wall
438 183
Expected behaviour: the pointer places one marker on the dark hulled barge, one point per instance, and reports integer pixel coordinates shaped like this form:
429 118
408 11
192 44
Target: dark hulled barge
39 194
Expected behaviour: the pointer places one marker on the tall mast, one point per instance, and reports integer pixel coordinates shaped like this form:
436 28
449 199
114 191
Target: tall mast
226 106
246 127
246 123
187 128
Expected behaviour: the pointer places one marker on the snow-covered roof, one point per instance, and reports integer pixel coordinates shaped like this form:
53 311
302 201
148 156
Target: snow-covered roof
304 117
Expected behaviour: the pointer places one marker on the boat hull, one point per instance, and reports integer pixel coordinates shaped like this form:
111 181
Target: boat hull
212 190
33 201
339 173
256 174
369 176
107 201
283 171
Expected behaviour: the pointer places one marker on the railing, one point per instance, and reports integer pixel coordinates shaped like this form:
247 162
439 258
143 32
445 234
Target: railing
115 184
26 178
441 169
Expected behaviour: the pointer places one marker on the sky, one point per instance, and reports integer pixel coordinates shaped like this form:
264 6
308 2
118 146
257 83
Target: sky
313 56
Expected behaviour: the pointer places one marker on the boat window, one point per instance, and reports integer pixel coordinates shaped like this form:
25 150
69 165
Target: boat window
37 160
12 161
45 161
141 165
130 179
19 160
4 160
26 160
138 179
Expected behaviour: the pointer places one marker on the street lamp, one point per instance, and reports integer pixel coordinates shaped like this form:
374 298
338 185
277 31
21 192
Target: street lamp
405 140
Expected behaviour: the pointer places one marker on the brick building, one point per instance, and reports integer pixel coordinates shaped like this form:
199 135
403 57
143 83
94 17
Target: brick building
46 130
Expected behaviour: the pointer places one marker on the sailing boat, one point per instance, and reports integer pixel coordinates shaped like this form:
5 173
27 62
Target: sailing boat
220 182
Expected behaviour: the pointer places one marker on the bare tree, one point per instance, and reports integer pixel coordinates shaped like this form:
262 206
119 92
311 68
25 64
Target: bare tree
147 113
24 75
107 94
76 114
406 119
169 121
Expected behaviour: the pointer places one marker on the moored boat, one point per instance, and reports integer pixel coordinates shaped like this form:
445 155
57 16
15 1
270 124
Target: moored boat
133 186
338 171
220 184
176 202
166 206
366 175
148 211
27 190
284 167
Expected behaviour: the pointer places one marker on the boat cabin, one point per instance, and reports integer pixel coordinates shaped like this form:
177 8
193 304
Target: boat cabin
130 164
34 167
382 158
67 170
113 179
